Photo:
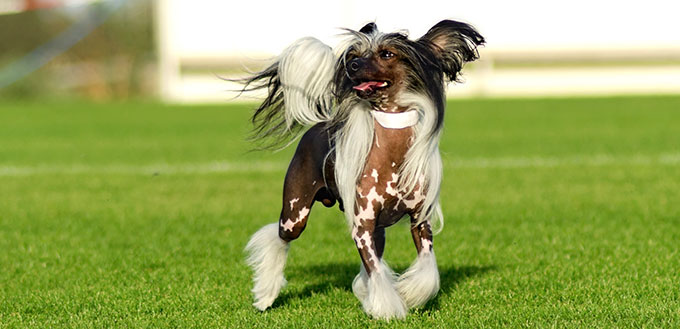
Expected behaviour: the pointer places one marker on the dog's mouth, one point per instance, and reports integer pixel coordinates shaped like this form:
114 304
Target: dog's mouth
371 86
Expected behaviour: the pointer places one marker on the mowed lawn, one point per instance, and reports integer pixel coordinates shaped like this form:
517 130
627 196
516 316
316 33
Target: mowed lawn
559 213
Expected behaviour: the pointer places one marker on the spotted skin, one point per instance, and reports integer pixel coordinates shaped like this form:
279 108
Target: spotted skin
304 184
289 223
380 202
422 236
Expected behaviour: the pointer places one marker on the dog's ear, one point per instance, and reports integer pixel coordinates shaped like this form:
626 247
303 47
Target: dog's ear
369 28
454 43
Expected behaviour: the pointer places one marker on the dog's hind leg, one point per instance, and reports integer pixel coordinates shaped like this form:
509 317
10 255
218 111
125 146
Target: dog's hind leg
268 248
420 282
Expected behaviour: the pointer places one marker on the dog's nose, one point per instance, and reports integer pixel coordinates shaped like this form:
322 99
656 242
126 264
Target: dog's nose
355 65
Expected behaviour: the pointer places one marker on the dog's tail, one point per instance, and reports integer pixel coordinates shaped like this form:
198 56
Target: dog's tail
299 93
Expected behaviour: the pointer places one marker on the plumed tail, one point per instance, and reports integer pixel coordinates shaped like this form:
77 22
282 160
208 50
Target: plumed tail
298 86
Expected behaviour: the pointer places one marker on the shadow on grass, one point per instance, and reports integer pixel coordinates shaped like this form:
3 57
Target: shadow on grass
451 277
326 277
323 278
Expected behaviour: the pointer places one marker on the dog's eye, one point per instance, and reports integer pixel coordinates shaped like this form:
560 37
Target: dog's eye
386 54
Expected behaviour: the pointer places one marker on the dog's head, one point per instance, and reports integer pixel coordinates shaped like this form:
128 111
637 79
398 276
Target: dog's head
311 83
378 67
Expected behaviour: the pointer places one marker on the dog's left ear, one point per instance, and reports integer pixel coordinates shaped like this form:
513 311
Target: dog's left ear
454 43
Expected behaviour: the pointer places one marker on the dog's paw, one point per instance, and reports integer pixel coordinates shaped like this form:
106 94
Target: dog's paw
265 292
360 285
382 300
267 257
420 282
264 302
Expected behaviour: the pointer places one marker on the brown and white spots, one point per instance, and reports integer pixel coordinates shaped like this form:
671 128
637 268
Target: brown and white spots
418 196
292 203
393 164
409 203
374 174
368 213
290 224
427 245
365 213
391 187
364 242
374 196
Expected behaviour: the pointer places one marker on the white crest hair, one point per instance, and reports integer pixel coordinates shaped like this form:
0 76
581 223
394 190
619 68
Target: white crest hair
306 70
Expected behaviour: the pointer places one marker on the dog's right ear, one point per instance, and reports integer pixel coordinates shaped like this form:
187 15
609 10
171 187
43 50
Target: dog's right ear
369 28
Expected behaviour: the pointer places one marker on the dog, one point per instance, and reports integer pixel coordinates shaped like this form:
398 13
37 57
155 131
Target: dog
375 105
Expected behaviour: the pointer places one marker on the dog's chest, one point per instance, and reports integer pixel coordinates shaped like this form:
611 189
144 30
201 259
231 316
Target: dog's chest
379 196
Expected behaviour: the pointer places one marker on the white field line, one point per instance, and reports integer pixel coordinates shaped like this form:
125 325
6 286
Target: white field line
596 160
150 169
669 159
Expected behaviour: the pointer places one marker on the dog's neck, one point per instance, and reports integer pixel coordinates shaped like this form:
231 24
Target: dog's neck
392 137
388 105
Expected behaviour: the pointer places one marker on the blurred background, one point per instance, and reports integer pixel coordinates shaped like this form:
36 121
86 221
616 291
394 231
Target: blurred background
125 203
176 50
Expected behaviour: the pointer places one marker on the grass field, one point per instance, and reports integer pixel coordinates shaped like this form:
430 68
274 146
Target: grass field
559 213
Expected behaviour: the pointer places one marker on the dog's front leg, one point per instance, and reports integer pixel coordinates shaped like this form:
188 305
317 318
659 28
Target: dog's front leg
375 284
420 282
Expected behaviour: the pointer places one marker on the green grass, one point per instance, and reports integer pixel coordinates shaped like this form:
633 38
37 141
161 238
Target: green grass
559 213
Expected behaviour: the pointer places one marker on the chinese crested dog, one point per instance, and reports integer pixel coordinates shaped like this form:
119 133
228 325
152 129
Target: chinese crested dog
375 105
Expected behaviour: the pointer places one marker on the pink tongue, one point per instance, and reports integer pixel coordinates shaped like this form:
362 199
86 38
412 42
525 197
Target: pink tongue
367 85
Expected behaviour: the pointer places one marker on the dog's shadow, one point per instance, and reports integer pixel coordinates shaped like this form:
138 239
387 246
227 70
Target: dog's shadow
326 277
451 277
322 279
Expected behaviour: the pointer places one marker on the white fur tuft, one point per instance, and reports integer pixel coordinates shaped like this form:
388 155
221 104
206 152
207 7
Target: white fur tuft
377 294
267 257
306 69
360 284
420 282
